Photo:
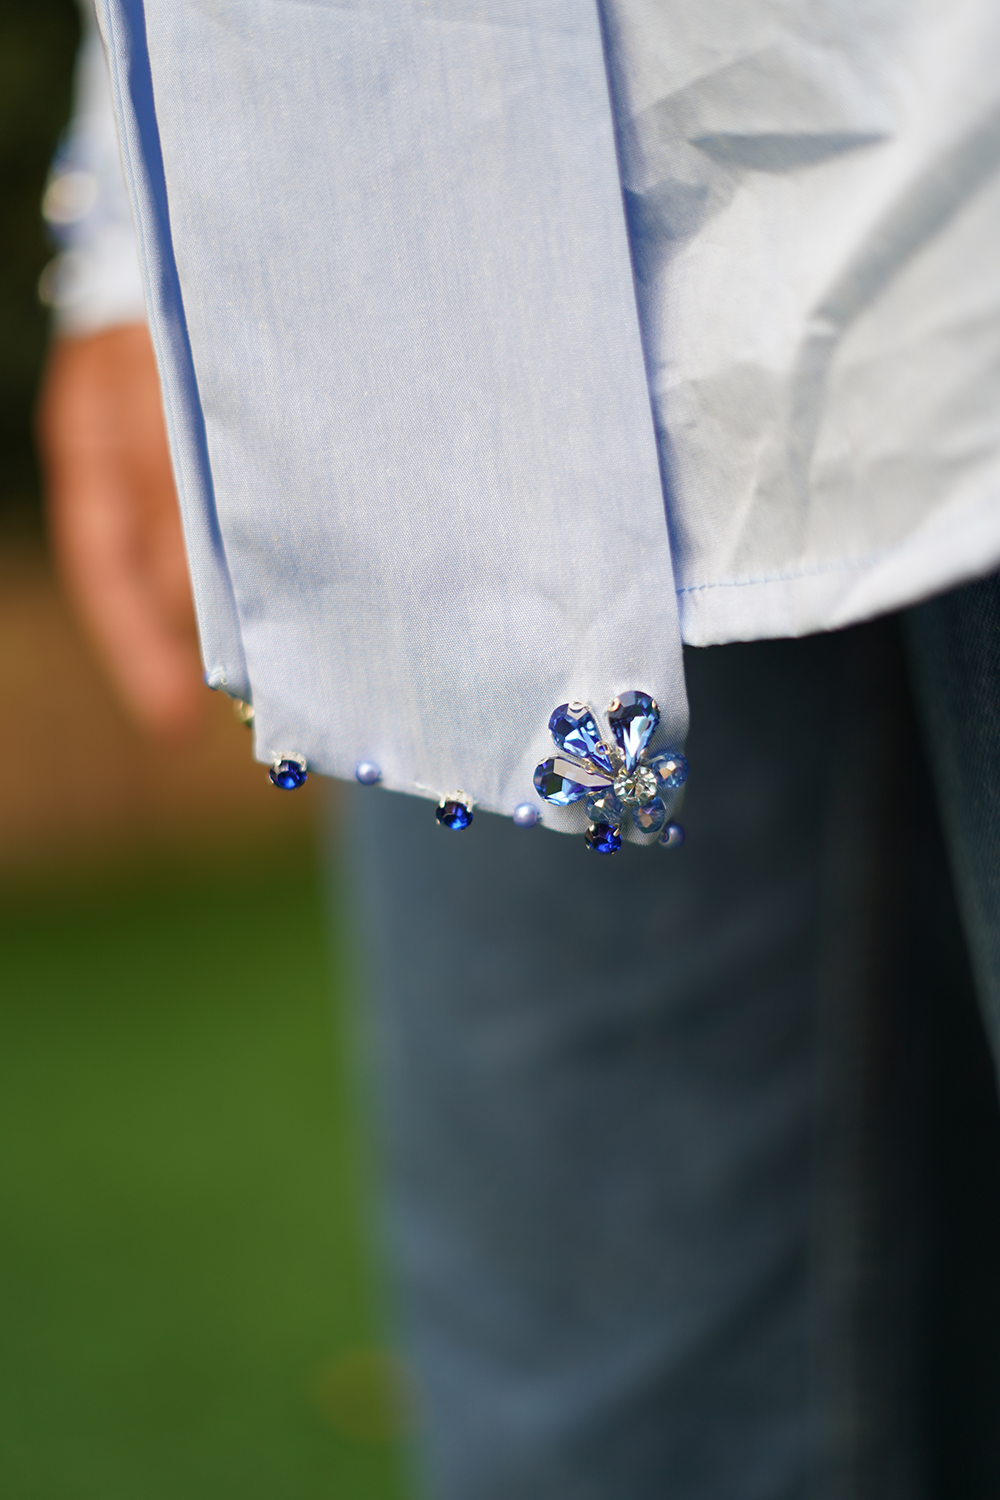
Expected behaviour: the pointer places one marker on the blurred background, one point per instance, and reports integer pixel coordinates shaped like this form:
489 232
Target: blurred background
189 1302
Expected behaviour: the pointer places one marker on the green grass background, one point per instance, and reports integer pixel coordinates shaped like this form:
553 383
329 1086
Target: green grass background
182 1261
186 1291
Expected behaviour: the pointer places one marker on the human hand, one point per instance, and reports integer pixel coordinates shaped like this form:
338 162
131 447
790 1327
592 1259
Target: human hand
115 524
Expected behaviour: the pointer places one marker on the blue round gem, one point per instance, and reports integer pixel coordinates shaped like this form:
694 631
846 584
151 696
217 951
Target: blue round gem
554 787
288 774
604 807
633 718
454 815
651 817
672 836
603 839
670 769
367 772
525 815
574 729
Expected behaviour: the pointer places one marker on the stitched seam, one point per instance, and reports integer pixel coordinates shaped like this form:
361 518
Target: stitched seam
844 565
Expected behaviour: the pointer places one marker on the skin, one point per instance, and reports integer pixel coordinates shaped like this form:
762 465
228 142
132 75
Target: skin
115 525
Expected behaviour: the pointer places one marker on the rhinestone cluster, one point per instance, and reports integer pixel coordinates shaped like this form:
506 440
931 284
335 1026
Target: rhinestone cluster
620 780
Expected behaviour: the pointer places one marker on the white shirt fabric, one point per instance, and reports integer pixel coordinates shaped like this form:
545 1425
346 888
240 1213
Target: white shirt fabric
815 201
444 461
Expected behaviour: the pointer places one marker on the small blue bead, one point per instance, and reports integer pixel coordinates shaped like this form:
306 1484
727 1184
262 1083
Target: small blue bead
670 769
603 839
367 772
454 815
288 774
672 836
525 815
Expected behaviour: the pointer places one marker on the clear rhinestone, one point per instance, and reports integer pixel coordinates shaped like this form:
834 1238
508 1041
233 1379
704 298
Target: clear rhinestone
637 787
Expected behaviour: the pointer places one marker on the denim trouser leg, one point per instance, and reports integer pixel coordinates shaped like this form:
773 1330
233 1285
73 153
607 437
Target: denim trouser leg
653 1130
954 647
954 653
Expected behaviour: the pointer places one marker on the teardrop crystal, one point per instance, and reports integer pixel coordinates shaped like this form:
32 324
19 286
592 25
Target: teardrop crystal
574 729
633 718
555 787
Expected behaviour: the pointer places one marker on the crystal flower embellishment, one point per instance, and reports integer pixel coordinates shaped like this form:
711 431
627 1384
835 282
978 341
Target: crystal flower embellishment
621 782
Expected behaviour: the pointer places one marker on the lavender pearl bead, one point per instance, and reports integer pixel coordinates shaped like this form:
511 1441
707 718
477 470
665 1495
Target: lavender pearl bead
367 772
525 815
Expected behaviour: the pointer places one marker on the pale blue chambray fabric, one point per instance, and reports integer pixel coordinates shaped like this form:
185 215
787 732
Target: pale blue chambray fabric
218 621
399 238
388 276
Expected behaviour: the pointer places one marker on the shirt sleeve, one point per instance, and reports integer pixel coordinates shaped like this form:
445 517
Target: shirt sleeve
389 282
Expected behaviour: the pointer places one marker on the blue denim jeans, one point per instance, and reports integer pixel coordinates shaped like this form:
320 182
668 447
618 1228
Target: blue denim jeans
692 1155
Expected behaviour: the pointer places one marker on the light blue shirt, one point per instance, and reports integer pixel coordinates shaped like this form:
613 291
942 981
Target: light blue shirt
422 412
